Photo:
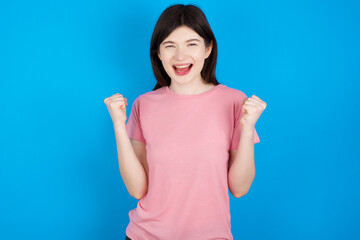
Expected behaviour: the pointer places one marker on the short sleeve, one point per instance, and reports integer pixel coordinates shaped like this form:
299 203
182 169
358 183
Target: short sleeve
237 129
133 125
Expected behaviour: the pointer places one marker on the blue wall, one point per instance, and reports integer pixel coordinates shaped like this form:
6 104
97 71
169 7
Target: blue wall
59 176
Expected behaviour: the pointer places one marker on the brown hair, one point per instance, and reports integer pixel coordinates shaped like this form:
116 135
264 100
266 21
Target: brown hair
172 18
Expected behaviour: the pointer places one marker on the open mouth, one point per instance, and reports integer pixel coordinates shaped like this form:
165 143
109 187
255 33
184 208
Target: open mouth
182 69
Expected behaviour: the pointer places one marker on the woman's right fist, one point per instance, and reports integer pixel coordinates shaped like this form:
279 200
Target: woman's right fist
116 105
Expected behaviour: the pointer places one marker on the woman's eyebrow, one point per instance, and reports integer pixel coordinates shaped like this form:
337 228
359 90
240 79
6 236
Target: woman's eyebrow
193 39
167 42
190 40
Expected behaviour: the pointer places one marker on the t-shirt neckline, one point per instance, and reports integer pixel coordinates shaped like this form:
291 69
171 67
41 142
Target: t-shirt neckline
169 91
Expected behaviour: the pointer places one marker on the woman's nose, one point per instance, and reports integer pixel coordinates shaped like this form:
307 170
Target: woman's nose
180 54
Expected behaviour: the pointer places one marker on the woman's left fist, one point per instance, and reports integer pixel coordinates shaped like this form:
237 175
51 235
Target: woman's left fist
251 110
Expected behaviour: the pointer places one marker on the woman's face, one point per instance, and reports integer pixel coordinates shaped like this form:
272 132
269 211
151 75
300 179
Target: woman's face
183 54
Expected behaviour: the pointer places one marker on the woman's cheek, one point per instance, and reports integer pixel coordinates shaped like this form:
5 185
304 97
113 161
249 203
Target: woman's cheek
166 59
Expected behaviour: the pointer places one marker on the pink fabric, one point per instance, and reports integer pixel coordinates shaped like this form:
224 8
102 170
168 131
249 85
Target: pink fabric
188 139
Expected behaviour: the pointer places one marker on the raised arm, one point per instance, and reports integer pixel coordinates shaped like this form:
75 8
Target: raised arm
131 153
132 162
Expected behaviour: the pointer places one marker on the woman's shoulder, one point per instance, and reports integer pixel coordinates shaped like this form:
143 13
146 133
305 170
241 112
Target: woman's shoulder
150 95
233 92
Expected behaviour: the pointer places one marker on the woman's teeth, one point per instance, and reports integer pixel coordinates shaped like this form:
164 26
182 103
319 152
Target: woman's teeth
183 66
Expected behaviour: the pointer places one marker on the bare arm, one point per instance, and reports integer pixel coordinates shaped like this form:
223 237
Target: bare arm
242 164
132 159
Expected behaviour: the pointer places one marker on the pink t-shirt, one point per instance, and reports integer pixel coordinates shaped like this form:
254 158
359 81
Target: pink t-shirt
188 139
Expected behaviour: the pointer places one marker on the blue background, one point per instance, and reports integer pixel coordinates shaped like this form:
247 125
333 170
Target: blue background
59 60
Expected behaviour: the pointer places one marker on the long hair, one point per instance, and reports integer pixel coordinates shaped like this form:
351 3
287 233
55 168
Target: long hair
172 18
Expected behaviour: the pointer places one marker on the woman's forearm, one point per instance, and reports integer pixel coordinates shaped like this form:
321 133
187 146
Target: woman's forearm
131 170
242 171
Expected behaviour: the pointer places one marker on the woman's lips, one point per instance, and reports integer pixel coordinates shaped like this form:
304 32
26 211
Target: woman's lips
182 69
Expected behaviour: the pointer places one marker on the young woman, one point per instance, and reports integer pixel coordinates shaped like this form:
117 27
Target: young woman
188 140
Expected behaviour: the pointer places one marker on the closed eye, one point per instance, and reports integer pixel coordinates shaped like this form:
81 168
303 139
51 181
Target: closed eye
168 46
192 44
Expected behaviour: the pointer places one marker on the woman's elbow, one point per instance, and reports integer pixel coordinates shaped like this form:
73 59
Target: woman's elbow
138 196
240 194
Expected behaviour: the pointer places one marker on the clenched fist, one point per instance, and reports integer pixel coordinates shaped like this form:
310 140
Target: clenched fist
251 110
116 105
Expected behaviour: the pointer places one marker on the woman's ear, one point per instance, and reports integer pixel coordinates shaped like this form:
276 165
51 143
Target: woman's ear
208 50
159 55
